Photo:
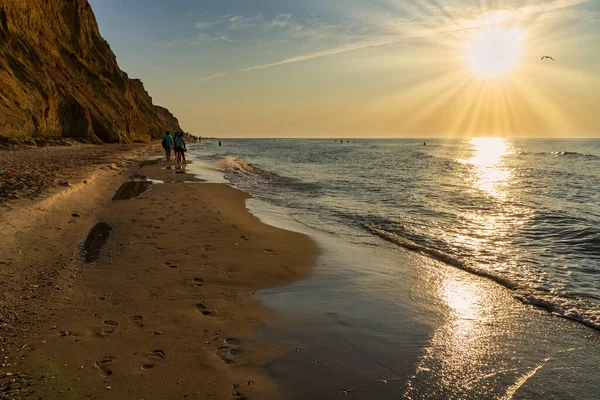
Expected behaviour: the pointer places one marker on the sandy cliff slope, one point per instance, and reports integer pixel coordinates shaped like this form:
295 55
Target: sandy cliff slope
59 77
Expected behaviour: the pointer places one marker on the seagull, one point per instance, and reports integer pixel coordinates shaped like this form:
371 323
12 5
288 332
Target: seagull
543 58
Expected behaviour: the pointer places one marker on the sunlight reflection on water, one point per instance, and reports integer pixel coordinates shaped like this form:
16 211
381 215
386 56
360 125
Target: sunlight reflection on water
464 342
485 171
490 175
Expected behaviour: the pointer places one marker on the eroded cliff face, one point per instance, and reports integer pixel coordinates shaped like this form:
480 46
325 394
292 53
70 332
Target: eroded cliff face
59 77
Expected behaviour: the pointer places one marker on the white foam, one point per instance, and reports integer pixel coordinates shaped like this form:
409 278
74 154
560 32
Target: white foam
206 171
233 164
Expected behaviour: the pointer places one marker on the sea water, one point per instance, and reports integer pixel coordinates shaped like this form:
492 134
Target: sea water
523 213
410 296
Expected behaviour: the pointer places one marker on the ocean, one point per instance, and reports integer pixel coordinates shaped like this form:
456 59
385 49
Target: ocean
524 213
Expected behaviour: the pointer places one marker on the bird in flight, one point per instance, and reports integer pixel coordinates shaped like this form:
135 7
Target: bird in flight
543 58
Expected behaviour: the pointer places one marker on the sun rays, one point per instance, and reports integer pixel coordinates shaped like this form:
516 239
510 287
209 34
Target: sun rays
495 84
444 68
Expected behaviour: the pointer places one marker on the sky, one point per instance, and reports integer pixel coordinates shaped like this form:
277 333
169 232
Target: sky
364 68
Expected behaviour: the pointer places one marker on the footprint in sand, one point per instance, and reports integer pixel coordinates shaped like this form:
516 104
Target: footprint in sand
269 251
147 366
156 355
104 366
233 342
238 396
168 264
244 238
138 320
201 308
109 327
198 282
229 353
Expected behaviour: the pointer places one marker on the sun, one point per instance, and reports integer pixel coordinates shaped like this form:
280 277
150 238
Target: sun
494 52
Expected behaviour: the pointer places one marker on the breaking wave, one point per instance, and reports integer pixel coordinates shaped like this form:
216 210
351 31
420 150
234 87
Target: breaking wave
574 309
245 176
572 154
235 165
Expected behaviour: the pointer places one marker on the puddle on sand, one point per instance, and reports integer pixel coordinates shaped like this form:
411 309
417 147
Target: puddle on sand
131 189
96 239
138 177
150 162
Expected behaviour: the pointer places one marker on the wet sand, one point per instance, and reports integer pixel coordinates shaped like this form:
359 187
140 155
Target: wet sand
375 321
159 302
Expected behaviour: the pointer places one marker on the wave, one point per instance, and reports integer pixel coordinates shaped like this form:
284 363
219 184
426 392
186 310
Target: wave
438 255
410 245
242 175
583 312
572 154
235 165
286 191
569 311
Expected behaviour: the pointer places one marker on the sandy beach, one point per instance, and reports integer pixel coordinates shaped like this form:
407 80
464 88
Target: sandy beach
380 201
158 306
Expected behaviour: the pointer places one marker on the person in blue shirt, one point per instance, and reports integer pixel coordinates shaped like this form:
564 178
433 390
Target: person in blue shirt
167 144
180 148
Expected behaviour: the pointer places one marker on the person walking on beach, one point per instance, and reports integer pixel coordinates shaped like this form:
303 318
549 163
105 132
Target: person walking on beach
180 148
176 146
167 144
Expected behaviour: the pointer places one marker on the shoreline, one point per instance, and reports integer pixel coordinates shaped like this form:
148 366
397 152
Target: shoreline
377 320
359 320
523 293
356 328
176 275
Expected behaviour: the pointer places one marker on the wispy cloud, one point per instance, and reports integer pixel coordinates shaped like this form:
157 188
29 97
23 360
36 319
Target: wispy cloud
232 22
217 37
281 21
202 25
284 24
196 40
509 15
382 41
406 29
238 22
213 76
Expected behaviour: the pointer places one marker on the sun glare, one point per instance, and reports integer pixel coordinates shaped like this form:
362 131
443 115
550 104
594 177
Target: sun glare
495 51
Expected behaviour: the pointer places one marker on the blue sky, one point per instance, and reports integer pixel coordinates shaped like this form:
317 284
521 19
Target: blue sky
358 67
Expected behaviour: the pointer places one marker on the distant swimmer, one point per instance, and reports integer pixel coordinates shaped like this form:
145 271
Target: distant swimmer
548 57
424 143
219 143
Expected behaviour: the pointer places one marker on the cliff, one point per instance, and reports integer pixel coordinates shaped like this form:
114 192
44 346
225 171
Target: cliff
59 78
